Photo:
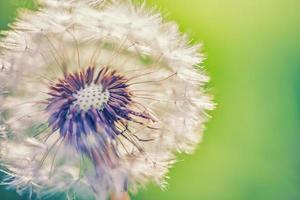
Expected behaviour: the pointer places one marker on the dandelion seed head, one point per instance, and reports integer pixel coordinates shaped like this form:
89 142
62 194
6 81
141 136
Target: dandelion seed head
98 97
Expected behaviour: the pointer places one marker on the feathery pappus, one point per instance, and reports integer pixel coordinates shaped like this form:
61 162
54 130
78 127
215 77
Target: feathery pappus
96 98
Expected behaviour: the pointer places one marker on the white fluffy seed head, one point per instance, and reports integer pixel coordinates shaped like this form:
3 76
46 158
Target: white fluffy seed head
92 96
165 79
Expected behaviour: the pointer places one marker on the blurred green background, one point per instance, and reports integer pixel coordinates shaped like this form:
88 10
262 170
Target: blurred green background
251 146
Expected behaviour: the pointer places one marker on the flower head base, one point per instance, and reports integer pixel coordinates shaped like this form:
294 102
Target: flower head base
97 98
92 96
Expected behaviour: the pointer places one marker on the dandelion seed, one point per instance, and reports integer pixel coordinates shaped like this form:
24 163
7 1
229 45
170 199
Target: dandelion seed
96 98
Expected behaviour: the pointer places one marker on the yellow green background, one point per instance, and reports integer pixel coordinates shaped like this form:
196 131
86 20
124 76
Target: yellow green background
251 148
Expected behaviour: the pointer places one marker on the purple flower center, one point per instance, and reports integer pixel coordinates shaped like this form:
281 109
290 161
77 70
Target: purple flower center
92 105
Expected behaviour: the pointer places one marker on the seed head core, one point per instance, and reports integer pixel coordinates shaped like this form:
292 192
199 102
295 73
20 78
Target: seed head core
91 96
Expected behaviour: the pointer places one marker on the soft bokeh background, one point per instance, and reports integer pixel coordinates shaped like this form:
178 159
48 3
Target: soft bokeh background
251 148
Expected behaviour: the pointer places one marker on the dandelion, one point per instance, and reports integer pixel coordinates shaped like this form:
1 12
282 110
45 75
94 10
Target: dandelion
96 97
